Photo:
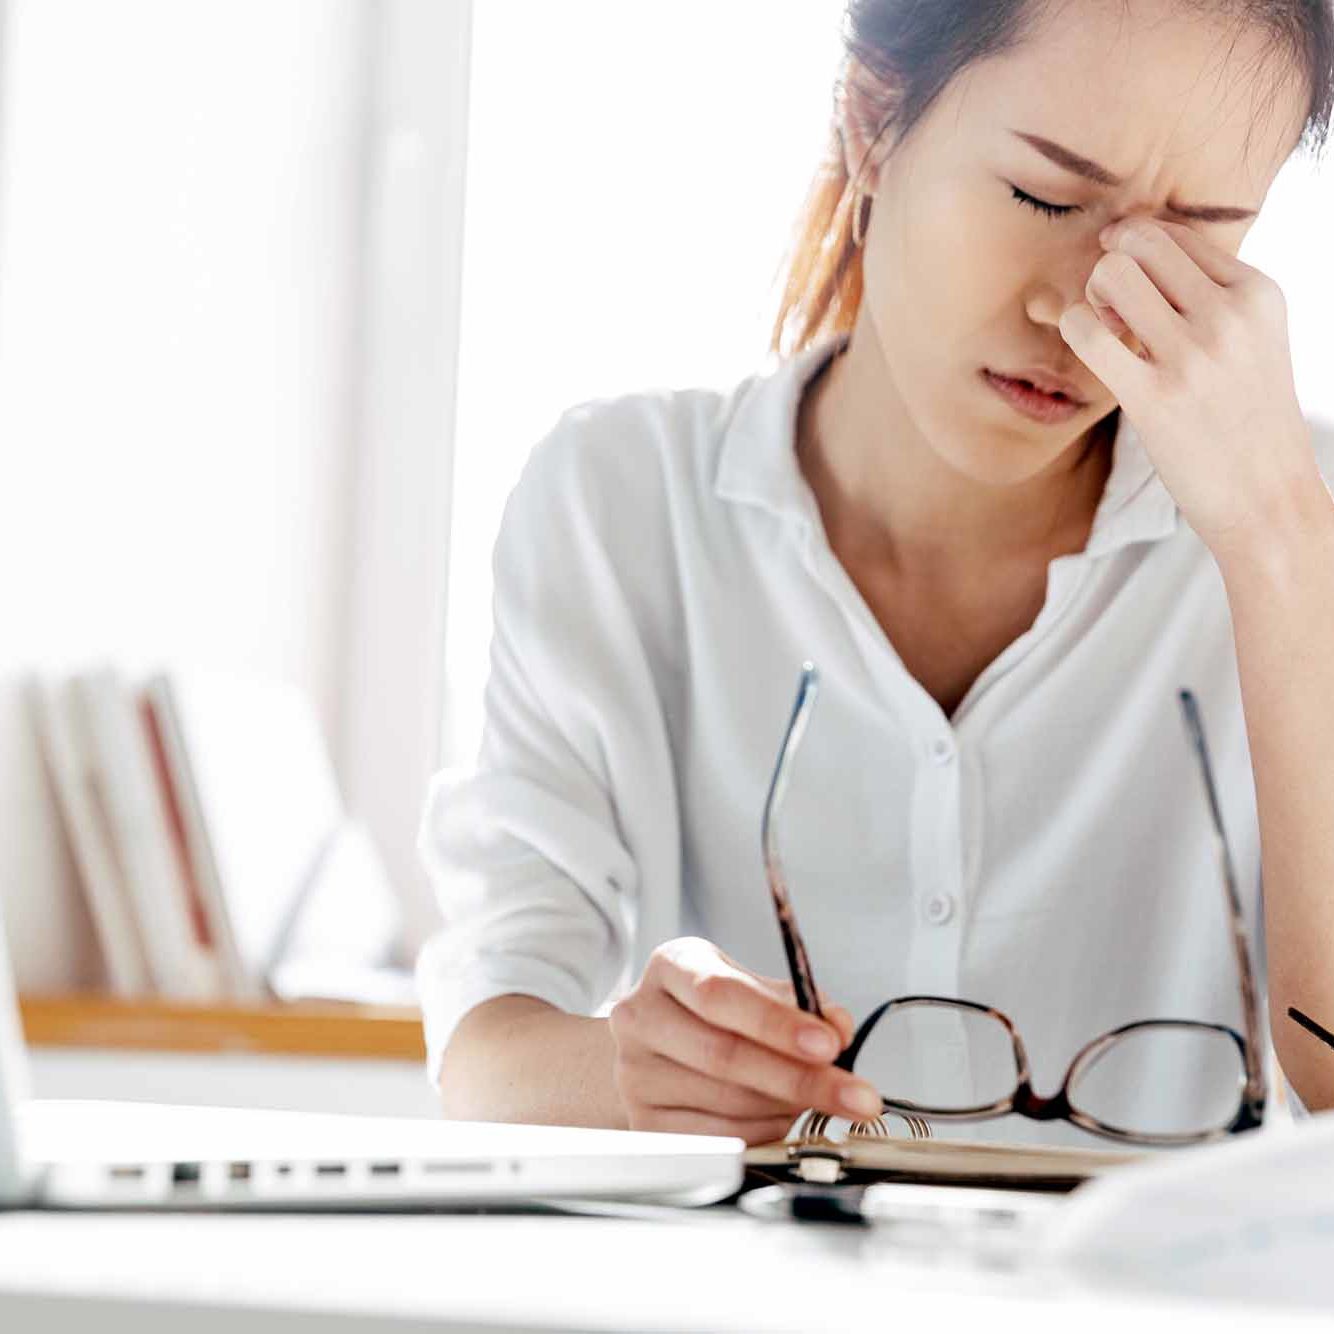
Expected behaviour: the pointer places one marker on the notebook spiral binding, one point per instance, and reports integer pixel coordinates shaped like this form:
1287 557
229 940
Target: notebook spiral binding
816 1158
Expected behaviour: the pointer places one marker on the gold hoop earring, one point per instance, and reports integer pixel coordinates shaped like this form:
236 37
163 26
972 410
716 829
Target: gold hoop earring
859 232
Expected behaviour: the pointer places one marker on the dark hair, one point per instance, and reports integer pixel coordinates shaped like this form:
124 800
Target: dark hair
899 56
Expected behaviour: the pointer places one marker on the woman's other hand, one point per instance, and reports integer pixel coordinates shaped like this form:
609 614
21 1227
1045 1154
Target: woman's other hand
705 1046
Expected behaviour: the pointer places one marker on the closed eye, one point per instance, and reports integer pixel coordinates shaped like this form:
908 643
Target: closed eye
1041 205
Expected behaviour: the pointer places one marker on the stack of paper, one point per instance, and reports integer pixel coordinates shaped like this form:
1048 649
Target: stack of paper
1250 1217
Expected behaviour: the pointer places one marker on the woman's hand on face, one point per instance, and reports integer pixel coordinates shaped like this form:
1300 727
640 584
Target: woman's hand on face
1211 395
705 1046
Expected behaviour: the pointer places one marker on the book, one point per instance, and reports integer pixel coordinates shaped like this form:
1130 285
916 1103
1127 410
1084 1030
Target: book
195 906
824 1159
85 813
191 833
343 933
261 811
180 962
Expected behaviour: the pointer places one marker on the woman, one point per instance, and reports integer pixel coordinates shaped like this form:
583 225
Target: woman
1004 590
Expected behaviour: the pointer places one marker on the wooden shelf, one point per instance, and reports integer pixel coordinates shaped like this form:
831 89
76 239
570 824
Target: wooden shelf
306 1028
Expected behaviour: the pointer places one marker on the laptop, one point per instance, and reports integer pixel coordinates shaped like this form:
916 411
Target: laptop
74 1154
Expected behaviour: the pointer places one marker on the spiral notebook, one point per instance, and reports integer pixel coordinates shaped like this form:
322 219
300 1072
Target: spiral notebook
826 1158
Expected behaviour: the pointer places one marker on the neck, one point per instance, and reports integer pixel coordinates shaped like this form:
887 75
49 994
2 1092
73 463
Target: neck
893 499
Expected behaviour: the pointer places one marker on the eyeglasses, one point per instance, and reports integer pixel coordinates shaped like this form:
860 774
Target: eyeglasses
1104 1090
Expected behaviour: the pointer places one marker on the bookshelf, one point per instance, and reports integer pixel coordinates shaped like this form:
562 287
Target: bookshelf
317 1029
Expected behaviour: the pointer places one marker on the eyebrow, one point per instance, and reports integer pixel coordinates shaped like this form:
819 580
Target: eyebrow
1099 175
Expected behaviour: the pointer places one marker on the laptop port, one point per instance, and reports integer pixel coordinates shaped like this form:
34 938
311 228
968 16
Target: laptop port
331 1169
126 1172
386 1169
437 1166
185 1174
238 1171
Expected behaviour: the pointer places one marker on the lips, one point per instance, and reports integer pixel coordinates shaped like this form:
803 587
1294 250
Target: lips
1047 382
1048 409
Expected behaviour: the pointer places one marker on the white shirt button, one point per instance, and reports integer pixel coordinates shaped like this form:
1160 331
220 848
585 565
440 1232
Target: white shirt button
942 750
938 909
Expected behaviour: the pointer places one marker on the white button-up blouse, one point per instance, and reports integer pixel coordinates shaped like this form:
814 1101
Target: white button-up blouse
661 573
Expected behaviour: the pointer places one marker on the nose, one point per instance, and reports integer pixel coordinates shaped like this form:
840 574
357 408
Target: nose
1065 283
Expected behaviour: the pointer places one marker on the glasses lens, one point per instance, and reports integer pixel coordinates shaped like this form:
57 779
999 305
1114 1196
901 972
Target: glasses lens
939 1056
1161 1079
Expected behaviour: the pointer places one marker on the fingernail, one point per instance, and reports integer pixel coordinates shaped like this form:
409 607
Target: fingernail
817 1042
861 1100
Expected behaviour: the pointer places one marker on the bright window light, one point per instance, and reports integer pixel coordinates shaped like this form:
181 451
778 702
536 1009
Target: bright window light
634 172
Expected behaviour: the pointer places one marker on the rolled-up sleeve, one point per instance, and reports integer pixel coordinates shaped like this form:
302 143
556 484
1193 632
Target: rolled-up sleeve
534 870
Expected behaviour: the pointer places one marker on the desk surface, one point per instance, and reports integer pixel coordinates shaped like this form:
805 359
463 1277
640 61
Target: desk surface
715 1269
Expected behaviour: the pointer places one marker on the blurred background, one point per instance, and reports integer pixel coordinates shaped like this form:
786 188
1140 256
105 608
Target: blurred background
288 290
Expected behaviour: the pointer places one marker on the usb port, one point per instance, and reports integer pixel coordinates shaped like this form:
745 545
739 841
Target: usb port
185 1174
238 1171
126 1172
331 1169
385 1169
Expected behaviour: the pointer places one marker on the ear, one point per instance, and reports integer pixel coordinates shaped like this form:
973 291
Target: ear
862 104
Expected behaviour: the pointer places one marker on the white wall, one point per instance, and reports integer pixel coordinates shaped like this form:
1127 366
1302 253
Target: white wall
180 237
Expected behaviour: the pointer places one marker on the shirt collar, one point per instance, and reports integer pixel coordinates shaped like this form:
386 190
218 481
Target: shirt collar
758 462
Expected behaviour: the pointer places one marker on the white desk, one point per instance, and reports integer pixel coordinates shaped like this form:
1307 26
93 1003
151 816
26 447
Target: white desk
717 1270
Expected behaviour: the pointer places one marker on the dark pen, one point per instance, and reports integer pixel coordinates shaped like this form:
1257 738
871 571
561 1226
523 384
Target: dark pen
1311 1026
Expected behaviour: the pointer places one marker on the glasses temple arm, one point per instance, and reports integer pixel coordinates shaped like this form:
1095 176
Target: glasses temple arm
1255 1077
798 962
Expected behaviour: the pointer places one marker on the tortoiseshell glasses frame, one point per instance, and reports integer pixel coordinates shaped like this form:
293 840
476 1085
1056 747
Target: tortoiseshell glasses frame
1023 1100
